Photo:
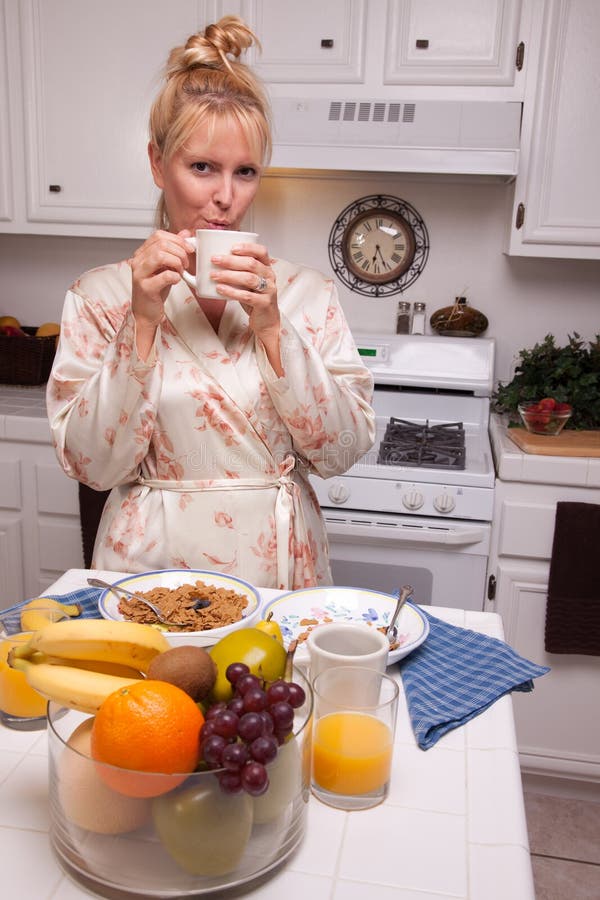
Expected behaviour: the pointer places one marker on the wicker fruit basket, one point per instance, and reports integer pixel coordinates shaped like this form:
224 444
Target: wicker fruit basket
26 360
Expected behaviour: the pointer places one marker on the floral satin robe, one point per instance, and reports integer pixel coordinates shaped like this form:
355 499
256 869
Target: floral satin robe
205 448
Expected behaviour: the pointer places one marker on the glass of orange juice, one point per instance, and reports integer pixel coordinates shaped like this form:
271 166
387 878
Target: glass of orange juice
353 736
21 707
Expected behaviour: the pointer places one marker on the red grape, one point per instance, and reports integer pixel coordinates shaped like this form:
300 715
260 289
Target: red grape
245 682
254 778
212 749
263 749
255 700
296 695
230 782
250 726
226 724
282 715
235 670
278 691
235 756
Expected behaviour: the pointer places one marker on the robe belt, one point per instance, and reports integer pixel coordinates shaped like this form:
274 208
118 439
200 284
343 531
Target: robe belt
287 506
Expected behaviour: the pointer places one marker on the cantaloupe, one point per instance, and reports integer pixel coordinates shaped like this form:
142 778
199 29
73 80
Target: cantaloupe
86 800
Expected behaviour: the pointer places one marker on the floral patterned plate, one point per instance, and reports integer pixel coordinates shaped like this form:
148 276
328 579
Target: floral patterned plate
298 612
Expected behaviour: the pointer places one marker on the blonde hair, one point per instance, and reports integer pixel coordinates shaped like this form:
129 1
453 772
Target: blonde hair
204 80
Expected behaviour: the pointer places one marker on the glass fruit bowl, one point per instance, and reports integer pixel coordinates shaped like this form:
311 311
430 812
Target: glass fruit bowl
189 840
544 416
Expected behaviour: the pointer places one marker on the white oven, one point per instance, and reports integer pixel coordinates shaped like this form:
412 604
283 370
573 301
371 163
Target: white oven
417 508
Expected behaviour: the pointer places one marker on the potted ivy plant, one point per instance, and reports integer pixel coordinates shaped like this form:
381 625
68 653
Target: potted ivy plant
569 374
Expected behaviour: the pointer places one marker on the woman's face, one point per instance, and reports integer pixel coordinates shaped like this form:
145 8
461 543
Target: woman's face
211 181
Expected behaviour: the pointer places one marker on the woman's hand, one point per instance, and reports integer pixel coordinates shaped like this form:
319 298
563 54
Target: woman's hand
156 266
246 276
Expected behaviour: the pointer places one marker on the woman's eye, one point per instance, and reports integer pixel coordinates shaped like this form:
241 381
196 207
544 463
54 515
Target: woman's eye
200 166
247 172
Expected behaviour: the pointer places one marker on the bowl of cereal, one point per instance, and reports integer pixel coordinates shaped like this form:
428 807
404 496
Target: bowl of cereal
203 606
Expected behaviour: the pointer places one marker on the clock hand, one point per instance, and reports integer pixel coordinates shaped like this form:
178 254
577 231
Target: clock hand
378 250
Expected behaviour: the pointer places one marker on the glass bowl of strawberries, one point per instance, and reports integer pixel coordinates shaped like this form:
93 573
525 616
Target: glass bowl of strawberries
546 416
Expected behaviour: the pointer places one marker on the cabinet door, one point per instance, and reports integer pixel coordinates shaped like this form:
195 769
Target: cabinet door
466 42
557 193
556 733
91 71
310 41
6 210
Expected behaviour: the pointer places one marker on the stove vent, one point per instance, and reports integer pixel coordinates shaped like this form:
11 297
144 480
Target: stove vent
392 135
355 111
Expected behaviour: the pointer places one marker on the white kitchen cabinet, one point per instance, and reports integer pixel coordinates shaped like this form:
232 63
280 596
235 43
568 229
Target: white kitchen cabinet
557 732
556 207
6 202
40 533
308 42
466 42
89 73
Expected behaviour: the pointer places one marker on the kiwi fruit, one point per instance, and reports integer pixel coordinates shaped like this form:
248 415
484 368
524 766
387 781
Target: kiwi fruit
188 667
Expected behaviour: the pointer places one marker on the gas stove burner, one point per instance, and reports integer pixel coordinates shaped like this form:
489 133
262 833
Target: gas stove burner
414 444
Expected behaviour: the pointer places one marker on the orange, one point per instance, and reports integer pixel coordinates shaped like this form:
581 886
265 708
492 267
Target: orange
147 727
9 321
48 329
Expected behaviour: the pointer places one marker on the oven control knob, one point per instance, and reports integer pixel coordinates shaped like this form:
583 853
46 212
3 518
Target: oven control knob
338 492
413 500
444 503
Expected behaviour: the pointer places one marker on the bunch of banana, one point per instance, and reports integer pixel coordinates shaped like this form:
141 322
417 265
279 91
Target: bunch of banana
40 612
79 662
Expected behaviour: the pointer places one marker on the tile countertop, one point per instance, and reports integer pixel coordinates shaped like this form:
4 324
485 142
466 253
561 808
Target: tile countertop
513 464
23 414
453 825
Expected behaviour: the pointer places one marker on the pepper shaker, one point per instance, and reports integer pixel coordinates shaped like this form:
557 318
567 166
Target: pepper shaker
403 318
418 319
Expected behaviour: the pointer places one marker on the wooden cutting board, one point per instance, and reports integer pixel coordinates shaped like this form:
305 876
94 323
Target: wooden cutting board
567 443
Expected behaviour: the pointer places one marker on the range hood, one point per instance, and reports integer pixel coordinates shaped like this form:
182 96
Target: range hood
446 137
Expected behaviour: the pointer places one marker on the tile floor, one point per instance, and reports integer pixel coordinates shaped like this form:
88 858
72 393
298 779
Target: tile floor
564 839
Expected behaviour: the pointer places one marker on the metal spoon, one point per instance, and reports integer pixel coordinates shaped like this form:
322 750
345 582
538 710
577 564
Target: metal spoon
391 630
97 582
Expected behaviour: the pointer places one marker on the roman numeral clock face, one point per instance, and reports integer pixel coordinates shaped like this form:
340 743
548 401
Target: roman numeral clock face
378 245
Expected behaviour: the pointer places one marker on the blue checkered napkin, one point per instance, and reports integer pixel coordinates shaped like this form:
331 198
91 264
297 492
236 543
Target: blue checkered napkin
457 674
88 597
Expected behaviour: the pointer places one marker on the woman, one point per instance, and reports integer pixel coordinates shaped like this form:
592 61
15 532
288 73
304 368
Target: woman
205 416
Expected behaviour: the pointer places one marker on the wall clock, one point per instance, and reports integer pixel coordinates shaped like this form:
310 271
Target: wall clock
378 245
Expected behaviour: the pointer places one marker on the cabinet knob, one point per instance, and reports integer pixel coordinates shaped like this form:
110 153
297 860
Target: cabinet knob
327 43
54 188
422 44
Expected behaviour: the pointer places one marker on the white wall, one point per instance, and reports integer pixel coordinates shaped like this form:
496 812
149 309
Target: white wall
524 299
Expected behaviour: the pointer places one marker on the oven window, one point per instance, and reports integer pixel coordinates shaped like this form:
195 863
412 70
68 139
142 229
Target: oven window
384 577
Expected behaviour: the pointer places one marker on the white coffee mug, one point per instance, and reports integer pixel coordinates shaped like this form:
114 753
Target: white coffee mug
346 644
213 242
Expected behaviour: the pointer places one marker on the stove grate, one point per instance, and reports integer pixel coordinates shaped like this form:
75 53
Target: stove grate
439 446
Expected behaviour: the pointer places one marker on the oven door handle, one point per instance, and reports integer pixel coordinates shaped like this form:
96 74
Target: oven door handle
444 536
378 531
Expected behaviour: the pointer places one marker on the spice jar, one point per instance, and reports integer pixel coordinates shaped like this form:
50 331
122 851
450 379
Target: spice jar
403 317
459 320
418 319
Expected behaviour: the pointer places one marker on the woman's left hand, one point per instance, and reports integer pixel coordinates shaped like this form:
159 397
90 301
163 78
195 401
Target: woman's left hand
246 276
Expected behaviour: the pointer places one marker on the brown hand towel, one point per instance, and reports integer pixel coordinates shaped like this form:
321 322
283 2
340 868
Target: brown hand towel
573 607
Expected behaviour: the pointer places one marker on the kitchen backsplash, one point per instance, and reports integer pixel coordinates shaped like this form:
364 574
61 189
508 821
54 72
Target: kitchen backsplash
523 298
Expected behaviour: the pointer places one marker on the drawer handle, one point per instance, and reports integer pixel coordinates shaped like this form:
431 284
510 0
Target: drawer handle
326 43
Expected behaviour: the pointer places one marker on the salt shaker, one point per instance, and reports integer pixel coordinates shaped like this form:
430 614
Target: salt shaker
403 318
418 319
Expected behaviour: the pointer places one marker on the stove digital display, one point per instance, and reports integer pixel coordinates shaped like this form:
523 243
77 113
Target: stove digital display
375 353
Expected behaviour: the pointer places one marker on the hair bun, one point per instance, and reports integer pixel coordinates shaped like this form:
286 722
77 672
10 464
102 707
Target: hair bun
213 47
